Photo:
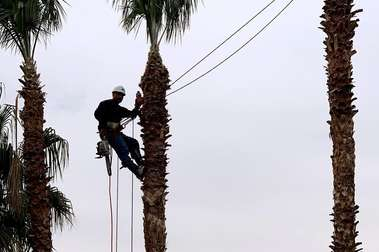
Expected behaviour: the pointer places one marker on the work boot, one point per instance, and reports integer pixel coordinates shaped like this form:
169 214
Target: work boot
138 170
136 155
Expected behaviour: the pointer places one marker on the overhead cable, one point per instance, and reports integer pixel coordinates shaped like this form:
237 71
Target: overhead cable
235 52
222 43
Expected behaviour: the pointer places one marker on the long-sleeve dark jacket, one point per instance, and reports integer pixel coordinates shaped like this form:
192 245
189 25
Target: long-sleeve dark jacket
111 111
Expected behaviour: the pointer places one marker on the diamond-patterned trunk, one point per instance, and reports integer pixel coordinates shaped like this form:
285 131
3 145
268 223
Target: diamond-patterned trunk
155 132
339 24
36 180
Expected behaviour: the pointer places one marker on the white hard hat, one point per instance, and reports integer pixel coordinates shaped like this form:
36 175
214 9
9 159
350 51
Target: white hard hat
119 89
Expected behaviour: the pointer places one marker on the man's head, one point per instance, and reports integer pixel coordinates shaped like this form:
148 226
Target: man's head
118 94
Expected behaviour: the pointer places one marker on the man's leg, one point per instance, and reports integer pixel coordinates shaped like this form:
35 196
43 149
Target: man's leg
134 149
118 143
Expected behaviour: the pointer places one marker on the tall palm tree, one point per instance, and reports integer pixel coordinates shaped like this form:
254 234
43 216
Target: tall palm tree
169 18
339 23
23 23
15 220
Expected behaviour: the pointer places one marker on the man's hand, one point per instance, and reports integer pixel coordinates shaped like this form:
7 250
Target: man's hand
139 100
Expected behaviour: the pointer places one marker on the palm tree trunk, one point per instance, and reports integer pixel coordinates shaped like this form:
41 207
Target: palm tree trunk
155 130
339 26
36 180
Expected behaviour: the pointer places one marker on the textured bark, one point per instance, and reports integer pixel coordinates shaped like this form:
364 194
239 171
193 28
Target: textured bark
36 180
339 25
155 130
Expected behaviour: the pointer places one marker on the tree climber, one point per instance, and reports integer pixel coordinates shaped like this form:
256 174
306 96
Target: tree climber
109 114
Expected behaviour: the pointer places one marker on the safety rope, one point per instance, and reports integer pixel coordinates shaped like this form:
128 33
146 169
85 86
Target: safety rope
235 52
132 207
117 200
117 205
110 207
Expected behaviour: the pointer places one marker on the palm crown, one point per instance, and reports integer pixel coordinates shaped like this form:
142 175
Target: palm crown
163 17
24 22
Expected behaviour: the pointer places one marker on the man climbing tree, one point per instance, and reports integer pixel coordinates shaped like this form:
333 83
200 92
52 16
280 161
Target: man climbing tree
109 114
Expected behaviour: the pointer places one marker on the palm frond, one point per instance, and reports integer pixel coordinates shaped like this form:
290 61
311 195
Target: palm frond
16 227
24 22
177 15
8 35
134 11
173 15
61 208
15 184
6 238
6 122
56 152
6 154
52 14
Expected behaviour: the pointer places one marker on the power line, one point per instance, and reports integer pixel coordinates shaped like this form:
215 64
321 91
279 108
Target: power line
235 52
222 43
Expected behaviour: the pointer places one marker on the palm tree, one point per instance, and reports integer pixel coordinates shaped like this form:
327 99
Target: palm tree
169 18
339 25
22 24
14 218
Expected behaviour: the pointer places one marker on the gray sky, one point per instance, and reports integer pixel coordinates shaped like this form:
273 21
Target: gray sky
249 167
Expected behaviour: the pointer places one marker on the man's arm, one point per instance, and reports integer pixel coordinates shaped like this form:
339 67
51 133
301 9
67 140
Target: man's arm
129 113
100 114
137 104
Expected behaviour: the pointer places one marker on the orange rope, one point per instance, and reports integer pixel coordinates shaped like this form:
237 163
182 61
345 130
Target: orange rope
111 210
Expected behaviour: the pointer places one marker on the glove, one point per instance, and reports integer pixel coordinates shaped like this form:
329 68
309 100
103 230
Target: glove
139 100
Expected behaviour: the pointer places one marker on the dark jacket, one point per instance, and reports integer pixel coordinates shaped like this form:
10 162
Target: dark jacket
110 111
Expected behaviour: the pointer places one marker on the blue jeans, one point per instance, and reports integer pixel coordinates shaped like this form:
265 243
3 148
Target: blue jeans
123 145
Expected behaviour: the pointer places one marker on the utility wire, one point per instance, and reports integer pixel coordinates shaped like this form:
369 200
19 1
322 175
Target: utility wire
222 43
235 52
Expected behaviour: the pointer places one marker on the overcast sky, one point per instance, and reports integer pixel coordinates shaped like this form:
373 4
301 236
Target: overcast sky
250 166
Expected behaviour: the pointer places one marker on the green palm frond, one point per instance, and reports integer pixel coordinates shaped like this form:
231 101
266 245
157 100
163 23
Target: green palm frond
6 238
16 227
6 122
8 231
8 33
15 184
24 22
6 155
53 14
61 208
56 152
178 14
169 16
